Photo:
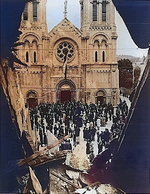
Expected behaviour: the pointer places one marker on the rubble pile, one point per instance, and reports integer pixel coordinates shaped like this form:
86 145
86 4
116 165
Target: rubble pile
98 188
67 177
78 159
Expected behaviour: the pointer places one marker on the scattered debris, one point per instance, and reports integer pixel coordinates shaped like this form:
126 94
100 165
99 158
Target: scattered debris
33 185
98 188
50 140
35 155
64 179
72 174
43 159
23 179
78 159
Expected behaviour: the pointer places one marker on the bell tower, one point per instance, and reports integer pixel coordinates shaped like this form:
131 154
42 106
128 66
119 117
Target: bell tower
34 16
99 42
34 30
96 14
98 27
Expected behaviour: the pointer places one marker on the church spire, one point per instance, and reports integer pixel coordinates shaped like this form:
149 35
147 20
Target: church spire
65 8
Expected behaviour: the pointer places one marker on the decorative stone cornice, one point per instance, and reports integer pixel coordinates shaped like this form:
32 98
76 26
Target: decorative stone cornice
100 28
33 28
97 71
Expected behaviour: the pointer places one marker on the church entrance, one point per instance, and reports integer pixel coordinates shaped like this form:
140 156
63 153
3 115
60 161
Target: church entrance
66 91
32 99
100 98
65 96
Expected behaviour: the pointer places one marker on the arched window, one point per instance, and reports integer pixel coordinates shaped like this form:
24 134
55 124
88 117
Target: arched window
34 57
25 12
104 11
96 59
103 56
27 57
94 10
34 11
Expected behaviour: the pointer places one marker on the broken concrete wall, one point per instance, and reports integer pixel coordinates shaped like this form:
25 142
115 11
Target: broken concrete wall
9 81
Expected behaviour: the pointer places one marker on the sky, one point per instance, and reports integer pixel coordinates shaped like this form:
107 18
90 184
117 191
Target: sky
125 44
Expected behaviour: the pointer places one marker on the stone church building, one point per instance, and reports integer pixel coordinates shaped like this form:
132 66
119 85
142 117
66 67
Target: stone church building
68 63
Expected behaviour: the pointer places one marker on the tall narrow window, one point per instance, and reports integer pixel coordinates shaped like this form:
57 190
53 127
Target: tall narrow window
96 56
25 12
34 55
103 56
34 11
27 57
94 10
104 11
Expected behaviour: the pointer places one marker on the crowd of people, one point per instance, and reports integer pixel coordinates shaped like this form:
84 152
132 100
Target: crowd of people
61 119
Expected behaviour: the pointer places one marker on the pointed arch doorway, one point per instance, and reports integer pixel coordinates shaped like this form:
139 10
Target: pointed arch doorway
66 91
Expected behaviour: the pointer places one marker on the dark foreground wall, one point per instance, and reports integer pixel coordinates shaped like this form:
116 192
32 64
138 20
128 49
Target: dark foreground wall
10 150
136 15
130 169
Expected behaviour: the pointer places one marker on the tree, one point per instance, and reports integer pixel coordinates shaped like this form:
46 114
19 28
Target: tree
125 73
137 72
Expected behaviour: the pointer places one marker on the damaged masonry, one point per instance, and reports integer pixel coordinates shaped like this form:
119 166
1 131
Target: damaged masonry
65 102
64 98
68 168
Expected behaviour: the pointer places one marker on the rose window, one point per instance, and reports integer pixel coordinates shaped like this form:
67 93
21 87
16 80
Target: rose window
65 52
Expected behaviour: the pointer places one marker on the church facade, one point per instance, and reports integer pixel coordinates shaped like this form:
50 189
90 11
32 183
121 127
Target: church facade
67 63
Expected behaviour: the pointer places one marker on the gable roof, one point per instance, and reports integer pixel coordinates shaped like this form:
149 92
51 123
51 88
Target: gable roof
65 25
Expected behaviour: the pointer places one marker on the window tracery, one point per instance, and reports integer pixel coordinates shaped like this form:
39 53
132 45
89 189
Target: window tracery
65 49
